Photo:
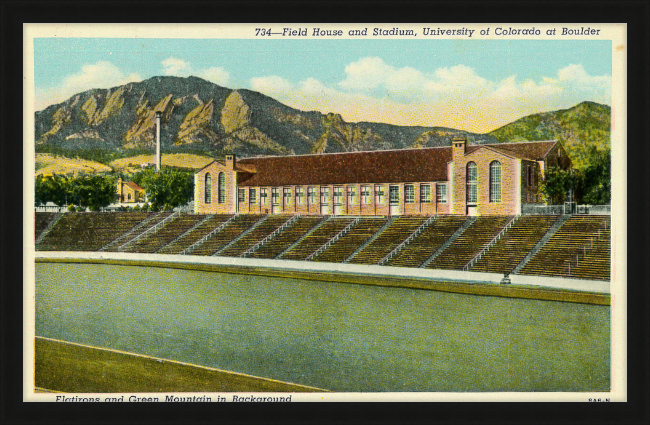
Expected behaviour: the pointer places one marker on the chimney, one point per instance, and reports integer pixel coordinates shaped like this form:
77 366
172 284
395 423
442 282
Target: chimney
158 113
458 147
231 161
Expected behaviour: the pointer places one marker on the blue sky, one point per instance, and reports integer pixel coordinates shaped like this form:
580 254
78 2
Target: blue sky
475 85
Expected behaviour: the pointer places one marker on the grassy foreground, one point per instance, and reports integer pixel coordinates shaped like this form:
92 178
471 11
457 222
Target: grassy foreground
65 367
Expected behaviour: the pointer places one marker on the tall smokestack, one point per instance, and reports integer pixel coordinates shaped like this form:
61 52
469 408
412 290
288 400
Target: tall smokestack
158 141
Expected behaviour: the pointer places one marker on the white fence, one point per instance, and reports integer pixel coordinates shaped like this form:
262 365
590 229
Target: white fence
568 208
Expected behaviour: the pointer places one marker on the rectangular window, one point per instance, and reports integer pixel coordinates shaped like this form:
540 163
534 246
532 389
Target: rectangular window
324 195
275 196
366 198
409 193
286 193
351 195
338 195
241 195
379 195
425 193
264 196
313 196
300 195
441 193
393 193
252 196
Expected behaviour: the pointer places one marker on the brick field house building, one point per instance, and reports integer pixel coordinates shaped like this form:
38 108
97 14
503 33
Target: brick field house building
462 179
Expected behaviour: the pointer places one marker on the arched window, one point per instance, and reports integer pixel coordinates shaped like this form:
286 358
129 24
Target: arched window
471 179
495 181
208 188
222 188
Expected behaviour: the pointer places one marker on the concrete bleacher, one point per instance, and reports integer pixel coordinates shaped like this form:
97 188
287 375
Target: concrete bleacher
232 230
583 241
122 241
185 241
388 240
288 236
580 248
265 228
358 234
595 262
88 231
469 243
154 241
318 238
425 244
41 221
516 242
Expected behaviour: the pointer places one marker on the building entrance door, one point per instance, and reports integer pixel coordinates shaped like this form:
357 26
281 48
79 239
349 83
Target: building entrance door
471 210
393 201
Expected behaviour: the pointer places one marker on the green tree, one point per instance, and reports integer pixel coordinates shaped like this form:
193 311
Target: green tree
93 192
53 188
168 187
40 194
557 183
597 178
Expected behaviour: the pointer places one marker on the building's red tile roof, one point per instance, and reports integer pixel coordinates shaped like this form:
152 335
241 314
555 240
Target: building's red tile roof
391 166
134 186
536 151
408 165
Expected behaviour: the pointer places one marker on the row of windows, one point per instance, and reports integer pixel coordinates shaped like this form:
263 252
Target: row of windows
323 194
471 181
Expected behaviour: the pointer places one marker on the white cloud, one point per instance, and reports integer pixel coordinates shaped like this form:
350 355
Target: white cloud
215 74
176 67
575 78
99 75
180 68
455 96
271 85
366 73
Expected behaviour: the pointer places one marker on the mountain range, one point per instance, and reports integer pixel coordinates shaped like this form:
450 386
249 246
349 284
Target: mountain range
201 117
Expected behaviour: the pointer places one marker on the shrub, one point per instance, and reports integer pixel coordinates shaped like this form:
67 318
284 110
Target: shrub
145 207
71 208
136 208
80 209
